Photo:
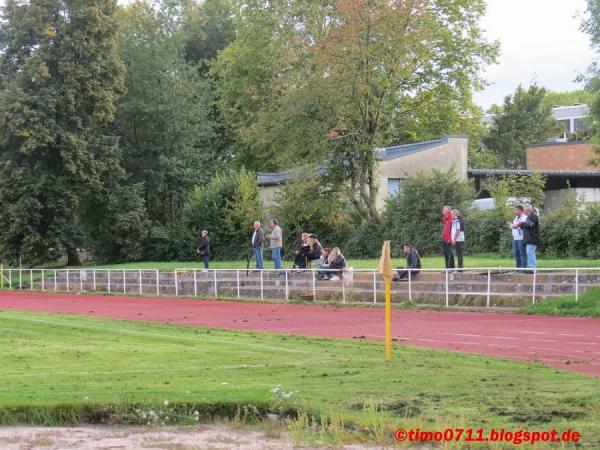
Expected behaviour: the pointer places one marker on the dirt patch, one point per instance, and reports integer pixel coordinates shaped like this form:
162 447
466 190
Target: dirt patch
206 437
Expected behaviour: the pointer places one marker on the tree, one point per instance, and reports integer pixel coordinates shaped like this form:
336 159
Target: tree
163 118
59 160
591 26
523 120
328 79
226 207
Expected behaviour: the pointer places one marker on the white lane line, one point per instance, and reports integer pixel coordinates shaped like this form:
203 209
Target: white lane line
573 335
532 332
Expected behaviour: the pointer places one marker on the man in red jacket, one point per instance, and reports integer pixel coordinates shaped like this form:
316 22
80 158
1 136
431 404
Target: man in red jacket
447 237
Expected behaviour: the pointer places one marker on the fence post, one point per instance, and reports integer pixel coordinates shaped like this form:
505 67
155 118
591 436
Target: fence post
374 287
237 276
31 279
124 283
410 285
68 280
108 278
94 278
447 293
314 285
157 284
576 285
43 284
262 291
287 293
176 284
216 288
80 281
140 274
343 288
534 283
195 284
10 278
489 287
55 281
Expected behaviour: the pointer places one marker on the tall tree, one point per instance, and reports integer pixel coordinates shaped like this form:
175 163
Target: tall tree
163 119
328 79
523 120
591 26
59 161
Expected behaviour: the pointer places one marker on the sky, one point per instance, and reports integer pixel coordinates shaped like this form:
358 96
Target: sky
540 42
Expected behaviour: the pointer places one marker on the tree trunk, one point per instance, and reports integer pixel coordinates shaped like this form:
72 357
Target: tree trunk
73 257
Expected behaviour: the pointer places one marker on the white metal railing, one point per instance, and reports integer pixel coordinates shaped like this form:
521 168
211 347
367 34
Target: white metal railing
286 284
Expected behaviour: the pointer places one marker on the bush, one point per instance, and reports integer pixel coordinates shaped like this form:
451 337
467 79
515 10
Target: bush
486 232
226 207
366 241
414 214
310 206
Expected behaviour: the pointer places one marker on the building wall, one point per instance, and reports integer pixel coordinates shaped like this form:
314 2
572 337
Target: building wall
570 156
442 157
556 196
267 195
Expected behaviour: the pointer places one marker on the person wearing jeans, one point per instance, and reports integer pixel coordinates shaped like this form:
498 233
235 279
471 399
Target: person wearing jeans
531 235
458 236
276 240
447 237
258 238
204 249
519 248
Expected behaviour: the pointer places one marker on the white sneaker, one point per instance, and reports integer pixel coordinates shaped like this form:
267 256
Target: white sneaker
334 278
205 271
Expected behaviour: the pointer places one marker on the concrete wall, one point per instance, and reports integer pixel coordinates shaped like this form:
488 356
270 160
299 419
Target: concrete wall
267 195
555 197
569 156
444 157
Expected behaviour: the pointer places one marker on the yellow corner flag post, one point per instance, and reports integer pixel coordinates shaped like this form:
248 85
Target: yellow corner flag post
385 270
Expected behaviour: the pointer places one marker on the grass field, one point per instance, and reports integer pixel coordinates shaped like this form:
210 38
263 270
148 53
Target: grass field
588 305
64 369
431 262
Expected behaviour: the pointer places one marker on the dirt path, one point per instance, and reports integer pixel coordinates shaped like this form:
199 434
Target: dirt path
569 343
203 437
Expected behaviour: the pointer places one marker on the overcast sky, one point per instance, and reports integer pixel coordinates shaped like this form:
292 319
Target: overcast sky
539 41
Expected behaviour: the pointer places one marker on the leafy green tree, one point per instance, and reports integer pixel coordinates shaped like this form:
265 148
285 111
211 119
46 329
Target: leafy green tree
414 214
523 120
163 118
59 160
553 98
334 80
522 188
226 207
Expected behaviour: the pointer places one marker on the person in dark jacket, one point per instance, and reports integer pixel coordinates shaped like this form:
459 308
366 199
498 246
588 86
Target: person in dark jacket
413 261
300 257
531 235
315 248
337 264
258 240
203 249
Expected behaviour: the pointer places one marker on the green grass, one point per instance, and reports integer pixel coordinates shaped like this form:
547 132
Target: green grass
64 369
588 305
430 262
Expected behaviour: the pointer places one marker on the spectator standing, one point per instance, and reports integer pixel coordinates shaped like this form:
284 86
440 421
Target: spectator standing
203 249
519 249
413 261
458 236
276 241
447 237
258 239
531 235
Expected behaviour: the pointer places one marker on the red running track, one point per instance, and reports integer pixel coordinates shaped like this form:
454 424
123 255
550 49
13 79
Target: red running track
569 343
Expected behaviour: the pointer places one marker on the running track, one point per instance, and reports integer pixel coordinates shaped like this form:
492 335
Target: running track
561 342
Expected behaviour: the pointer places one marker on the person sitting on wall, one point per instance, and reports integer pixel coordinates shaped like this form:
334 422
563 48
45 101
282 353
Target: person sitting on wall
413 261
323 263
300 257
315 248
337 263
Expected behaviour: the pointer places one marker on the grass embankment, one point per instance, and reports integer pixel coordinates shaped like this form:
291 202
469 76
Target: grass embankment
588 305
58 369
429 262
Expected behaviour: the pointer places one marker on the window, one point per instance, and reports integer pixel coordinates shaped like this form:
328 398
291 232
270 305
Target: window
394 186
